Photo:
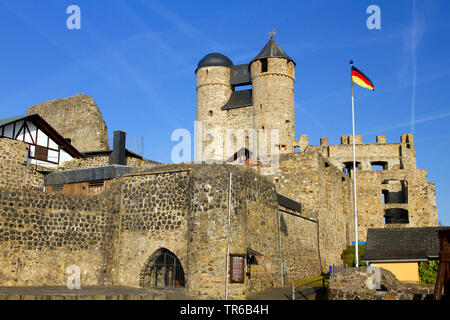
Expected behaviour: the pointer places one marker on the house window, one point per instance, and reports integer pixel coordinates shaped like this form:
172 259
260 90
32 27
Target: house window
41 153
210 113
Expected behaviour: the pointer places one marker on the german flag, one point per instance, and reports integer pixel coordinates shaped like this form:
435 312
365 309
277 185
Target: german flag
361 79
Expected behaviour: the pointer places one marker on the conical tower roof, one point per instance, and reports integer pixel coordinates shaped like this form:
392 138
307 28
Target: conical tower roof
272 50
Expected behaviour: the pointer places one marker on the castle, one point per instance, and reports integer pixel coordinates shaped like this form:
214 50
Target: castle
218 230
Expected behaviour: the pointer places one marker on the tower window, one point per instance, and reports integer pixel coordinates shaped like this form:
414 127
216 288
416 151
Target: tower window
264 66
210 112
287 124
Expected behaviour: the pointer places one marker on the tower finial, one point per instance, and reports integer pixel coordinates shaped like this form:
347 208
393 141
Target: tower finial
271 34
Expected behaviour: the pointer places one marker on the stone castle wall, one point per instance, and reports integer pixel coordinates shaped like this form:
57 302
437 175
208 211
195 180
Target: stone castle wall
396 155
113 236
41 234
325 194
101 160
273 108
422 211
399 160
155 205
78 118
15 171
184 208
253 223
361 284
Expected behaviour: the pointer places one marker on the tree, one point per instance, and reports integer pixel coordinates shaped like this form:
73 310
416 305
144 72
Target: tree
428 271
348 256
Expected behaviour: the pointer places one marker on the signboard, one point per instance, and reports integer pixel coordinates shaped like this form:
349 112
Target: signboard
237 268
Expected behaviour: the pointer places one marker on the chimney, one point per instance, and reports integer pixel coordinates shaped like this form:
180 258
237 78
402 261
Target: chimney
118 154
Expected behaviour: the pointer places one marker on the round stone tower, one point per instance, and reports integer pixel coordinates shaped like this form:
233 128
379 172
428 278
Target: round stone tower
272 74
213 91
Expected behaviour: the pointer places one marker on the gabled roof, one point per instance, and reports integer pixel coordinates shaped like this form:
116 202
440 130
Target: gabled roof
397 244
48 129
87 174
272 50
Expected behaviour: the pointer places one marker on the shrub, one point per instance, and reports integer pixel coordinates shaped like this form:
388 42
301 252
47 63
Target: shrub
428 271
348 255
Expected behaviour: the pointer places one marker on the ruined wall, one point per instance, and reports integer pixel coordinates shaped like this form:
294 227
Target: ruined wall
419 199
361 284
325 194
15 171
394 184
101 160
41 234
78 118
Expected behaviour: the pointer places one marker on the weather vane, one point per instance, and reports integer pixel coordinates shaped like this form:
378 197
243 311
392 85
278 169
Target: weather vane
271 34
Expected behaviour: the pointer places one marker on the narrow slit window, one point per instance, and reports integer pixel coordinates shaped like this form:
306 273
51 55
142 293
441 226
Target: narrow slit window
264 65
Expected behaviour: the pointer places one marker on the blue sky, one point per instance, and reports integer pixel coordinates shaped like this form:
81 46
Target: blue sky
137 60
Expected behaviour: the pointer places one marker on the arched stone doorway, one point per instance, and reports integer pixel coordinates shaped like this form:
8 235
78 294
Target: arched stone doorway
163 270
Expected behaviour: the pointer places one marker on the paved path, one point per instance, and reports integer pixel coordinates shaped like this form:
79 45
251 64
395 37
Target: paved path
86 293
271 294
124 293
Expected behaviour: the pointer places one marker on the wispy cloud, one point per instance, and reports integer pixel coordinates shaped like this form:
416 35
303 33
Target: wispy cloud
407 123
180 23
310 116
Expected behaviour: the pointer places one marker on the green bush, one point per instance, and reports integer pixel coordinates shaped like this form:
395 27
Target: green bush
428 271
348 255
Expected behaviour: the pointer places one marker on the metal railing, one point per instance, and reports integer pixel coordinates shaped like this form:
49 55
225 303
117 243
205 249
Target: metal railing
309 290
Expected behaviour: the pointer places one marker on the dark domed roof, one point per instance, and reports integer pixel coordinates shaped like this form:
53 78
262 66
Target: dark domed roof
215 59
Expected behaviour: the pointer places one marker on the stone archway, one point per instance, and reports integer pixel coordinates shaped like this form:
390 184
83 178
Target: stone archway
163 270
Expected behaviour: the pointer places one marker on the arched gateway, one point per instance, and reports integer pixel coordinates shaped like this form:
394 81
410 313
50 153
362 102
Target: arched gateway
163 270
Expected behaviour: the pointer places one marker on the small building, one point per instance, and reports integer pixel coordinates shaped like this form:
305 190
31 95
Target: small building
46 146
400 250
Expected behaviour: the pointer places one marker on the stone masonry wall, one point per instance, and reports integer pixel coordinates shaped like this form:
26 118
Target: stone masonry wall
15 171
184 209
253 224
399 167
361 284
41 234
154 209
420 203
78 118
325 194
102 160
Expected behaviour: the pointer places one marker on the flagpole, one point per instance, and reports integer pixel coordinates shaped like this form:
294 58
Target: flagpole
354 173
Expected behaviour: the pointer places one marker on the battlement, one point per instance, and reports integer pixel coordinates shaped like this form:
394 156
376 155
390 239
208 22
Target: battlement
348 140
